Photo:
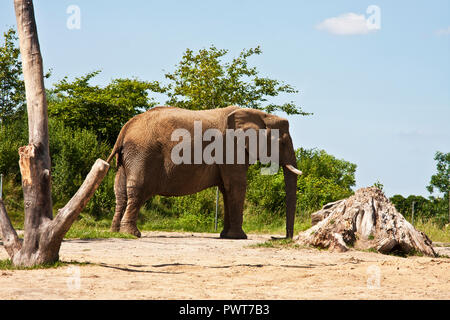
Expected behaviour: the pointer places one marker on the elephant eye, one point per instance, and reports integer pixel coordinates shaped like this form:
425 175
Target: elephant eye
284 138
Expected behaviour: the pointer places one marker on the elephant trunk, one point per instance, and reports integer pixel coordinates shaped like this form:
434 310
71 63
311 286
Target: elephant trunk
290 172
290 181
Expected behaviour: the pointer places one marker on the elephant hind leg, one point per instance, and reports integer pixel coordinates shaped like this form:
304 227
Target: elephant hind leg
135 199
120 190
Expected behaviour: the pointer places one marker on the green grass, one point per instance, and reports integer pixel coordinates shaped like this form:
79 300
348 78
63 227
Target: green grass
433 231
77 232
159 220
88 228
263 223
372 250
153 221
277 243
7 265
274 224
259 223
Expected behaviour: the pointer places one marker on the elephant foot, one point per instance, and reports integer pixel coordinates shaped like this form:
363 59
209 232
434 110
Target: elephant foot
233 234
130 229
115 228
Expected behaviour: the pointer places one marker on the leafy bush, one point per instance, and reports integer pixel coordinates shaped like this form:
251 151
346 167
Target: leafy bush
103 202
12 136
187 213
73 152
434 209
102 110
325 179
201 204
265 192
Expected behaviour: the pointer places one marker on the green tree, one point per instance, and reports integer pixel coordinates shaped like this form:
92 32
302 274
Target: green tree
404 206
12 88
13 135
73 152
378 184
441 180
435 209
103 110
203 81
325 179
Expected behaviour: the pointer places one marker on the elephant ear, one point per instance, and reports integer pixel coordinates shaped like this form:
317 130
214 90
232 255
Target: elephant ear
255 119
246 119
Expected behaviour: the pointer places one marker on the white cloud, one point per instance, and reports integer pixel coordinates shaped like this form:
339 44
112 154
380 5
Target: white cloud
346 24
443 32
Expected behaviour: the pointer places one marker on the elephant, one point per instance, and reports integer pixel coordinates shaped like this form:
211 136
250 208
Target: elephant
144 155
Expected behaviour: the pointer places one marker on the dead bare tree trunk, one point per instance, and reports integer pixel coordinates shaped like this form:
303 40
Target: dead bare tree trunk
366 220
43 234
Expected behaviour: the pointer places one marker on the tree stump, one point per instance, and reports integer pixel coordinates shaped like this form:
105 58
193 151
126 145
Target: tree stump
43 233
366 220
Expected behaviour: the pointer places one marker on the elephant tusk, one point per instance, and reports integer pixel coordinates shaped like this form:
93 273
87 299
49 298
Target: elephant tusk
294 170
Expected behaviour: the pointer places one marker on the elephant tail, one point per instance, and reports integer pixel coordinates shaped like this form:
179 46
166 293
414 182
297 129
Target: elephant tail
117 148
119 142
113 153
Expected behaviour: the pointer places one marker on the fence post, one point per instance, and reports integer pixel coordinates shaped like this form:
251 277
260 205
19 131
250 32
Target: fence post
413 212
1 186
217 208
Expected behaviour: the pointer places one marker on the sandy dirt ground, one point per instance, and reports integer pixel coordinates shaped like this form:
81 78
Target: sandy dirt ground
163 265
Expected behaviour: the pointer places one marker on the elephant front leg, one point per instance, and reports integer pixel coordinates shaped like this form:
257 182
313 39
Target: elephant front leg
226 218
233 218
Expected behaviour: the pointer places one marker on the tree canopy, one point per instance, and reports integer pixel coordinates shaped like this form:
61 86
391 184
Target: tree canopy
325 179
12 88
441 179
202 80
103 110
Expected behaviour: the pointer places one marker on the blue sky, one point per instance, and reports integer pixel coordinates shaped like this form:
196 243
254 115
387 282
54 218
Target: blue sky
380 97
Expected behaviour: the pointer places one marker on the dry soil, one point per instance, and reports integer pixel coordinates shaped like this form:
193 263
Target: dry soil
172 265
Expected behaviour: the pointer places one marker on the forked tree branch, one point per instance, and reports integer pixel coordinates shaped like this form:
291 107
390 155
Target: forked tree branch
48 234
43 234
67 215
11 241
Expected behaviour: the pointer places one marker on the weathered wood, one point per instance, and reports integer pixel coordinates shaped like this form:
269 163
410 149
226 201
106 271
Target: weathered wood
32 67
50 233
43 235
35 158
366 220
9 236
67 215
318 216
36 195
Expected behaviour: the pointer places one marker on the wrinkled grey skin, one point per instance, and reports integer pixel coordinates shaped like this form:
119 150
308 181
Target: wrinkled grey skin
145 168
